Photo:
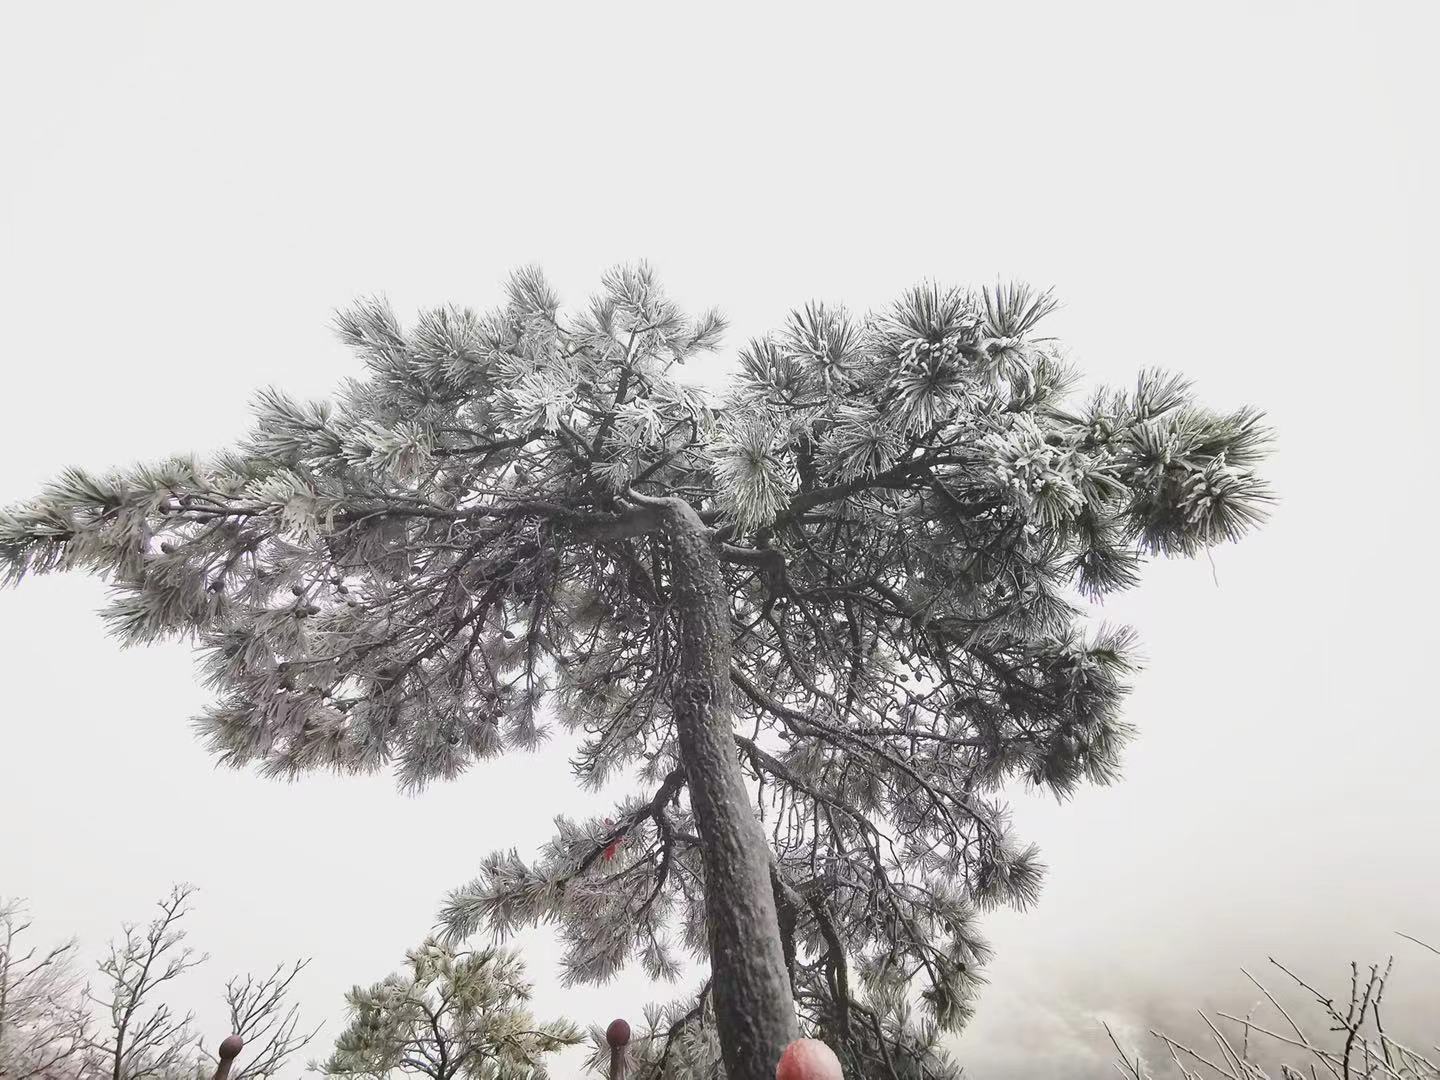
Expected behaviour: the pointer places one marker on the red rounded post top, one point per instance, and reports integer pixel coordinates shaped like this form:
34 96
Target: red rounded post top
618 1033
231 1047
808 1059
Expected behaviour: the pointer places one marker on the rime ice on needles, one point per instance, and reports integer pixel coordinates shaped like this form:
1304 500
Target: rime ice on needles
908 509
449 1014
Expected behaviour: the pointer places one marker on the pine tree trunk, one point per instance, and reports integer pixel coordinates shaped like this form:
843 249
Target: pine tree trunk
755 1014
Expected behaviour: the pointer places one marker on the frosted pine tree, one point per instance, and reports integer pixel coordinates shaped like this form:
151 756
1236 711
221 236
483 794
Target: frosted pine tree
450 1015
815 625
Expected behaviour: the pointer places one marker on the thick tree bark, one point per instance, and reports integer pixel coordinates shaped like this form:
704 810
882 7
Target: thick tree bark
754 1010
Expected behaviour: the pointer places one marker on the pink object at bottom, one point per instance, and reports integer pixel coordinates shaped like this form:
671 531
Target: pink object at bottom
808 1059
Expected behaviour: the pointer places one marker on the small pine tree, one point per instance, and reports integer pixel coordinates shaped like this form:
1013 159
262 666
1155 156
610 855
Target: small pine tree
822 621
448 1014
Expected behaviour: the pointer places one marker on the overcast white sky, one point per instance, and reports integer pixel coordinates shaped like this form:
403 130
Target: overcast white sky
1234 190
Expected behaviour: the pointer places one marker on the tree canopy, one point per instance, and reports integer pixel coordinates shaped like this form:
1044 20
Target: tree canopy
450 1014
495 529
